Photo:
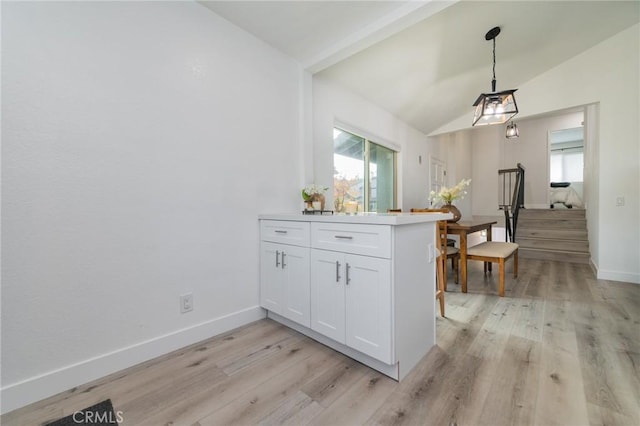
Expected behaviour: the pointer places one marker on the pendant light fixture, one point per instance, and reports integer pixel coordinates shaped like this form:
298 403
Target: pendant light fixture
494 107
512 131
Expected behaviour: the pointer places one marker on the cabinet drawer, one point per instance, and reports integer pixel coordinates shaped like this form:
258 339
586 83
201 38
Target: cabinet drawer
369 240
285 231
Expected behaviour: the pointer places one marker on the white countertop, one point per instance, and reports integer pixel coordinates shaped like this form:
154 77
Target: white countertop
369 218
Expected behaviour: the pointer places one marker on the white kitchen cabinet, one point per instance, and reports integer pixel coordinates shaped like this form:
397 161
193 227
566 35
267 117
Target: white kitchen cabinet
284 277
368 306
371 283
351 301
328 294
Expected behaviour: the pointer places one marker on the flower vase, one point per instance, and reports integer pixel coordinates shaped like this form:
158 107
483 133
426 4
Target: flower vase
450 208
319 197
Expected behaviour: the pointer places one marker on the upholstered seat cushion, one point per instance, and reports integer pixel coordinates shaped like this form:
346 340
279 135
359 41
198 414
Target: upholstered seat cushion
493 249
452 250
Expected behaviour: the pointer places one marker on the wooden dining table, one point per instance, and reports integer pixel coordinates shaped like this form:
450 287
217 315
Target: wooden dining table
464 228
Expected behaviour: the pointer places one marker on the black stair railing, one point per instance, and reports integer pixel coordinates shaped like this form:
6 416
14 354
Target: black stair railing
511 198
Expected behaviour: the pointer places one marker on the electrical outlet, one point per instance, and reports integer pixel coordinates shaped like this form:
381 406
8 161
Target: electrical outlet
620 201
186 303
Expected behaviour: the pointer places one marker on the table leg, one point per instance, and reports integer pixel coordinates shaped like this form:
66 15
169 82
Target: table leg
489 239
463 261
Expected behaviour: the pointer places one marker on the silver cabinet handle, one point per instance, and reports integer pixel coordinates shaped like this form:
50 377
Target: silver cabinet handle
283 255
277 231
337 271
348 278
278 258
343 237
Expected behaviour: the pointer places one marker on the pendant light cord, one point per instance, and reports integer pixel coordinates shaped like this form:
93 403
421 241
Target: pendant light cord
493 82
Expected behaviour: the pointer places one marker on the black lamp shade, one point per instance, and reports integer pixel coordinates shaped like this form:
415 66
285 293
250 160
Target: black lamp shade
494 108
512 131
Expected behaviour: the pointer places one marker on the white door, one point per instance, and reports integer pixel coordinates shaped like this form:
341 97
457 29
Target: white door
295 277
368 305
327 294
437 175
271 292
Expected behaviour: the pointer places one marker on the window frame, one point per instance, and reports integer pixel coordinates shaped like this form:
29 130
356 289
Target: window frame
371 139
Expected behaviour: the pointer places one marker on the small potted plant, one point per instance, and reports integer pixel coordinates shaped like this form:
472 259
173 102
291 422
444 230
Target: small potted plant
314 193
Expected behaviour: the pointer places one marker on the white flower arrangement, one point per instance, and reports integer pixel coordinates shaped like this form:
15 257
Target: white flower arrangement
310 190
448 195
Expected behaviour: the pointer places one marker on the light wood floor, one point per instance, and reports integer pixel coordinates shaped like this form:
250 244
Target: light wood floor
562 348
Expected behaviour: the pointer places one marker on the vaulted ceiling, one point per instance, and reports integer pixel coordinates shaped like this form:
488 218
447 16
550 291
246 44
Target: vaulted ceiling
426 62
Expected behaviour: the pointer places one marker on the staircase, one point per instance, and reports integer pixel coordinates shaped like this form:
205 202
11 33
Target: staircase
553 234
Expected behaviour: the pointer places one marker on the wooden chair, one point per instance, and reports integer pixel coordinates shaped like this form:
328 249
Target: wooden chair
394 211
495 252
441 264
450 252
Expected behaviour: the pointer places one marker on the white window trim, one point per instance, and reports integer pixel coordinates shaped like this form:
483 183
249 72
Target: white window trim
366 135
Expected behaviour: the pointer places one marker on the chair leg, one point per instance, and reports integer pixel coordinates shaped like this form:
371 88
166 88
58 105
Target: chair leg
445 274
456 270
441 268
501 288
515 264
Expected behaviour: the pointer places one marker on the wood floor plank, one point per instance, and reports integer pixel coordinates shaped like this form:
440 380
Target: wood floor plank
513 395
239 362
537 285
495 330
561 399
528 322
608 383
330 386
420 395
297 410
359 402
599 416
251 407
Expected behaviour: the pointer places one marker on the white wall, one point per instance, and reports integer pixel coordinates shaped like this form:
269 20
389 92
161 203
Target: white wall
607 75
332 104
474 154
140 142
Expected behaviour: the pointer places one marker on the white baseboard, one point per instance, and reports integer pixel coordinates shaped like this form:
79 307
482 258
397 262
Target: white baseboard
627 277
36 388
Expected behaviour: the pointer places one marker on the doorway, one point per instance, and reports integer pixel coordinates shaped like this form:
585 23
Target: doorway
566 168
438 175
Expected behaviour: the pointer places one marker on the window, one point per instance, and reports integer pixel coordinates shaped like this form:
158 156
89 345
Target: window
566 156
567 164
364 172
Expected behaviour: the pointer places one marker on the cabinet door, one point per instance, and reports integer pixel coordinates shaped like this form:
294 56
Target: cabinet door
295 279
327 294
368 306
271 288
